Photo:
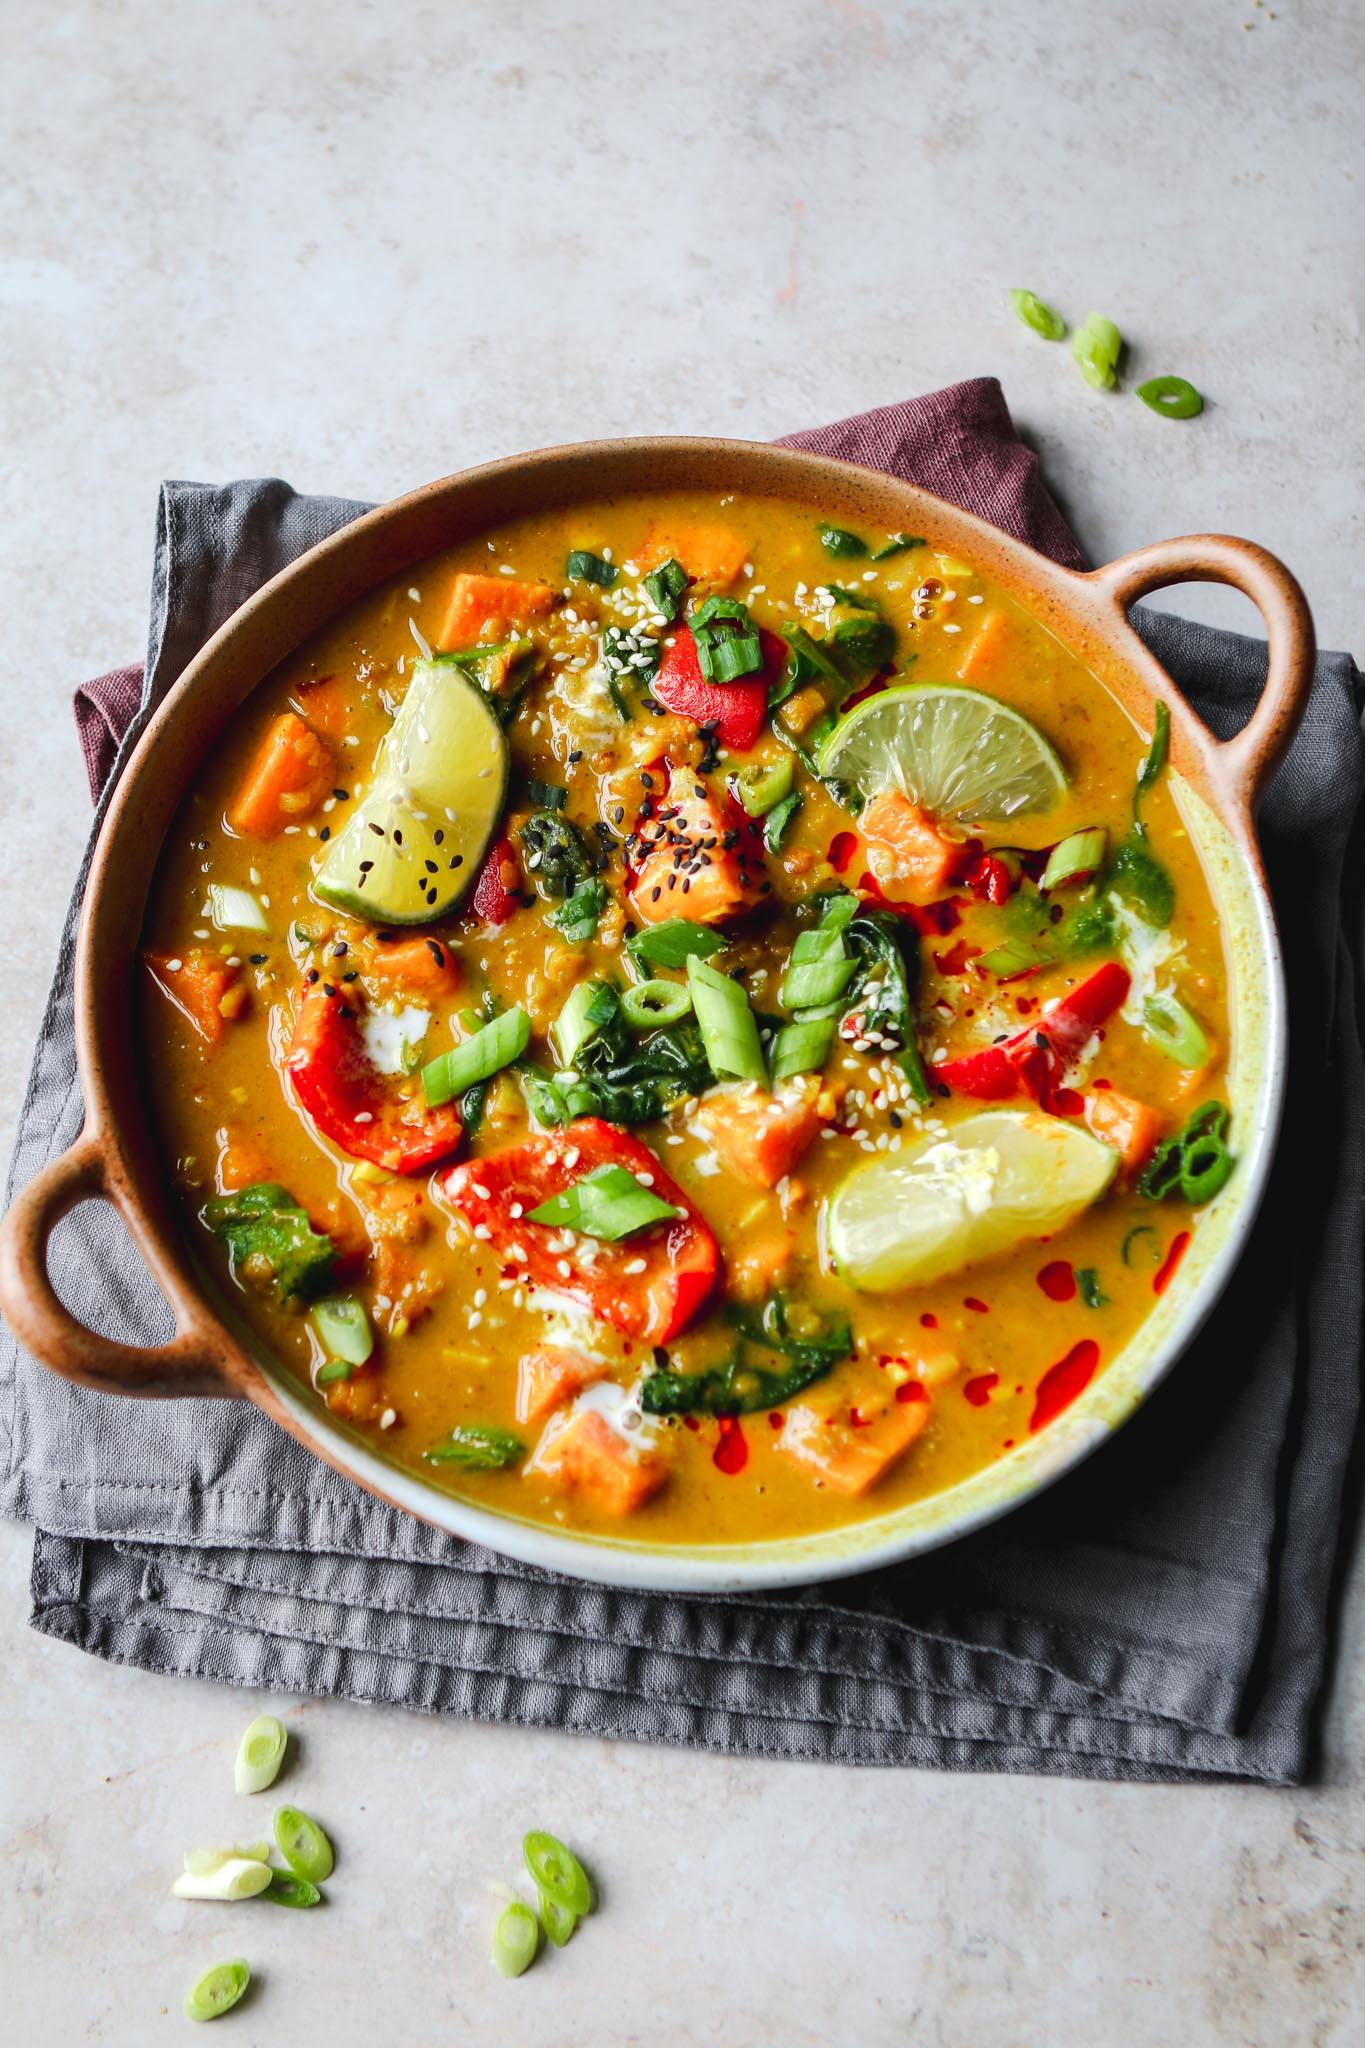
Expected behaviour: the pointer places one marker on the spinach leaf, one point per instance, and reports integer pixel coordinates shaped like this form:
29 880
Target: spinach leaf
555 853
270 1240
739 1387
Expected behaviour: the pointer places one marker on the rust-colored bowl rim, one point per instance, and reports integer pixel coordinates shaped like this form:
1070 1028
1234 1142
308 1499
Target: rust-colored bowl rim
213 1353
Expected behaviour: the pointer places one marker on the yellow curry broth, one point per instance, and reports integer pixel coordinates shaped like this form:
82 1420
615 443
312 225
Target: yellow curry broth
449 1344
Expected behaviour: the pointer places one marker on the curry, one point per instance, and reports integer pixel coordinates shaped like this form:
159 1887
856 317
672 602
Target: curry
679 1018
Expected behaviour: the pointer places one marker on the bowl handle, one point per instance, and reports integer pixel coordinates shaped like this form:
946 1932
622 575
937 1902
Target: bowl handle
1244 764
194 1362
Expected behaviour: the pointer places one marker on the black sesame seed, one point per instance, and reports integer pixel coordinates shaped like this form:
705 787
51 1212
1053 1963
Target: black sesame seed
342 795
325 833
258 959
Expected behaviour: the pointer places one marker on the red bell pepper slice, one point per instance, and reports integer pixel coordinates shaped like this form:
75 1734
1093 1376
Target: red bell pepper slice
736 709
681 1260
494 899
350 1101
1033 1061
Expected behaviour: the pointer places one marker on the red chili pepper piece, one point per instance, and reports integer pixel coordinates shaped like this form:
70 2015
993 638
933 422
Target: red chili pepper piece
678 1262
736 709
1034 1060
495 892
348 1098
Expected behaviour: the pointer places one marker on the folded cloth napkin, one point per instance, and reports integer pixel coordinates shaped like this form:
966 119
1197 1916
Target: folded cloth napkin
1161 1613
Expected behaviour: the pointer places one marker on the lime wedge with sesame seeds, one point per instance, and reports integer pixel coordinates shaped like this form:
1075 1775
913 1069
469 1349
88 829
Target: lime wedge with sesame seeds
413 844
996 1178
960 753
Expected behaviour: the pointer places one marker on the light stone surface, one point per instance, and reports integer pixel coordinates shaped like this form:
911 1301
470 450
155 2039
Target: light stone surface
361 245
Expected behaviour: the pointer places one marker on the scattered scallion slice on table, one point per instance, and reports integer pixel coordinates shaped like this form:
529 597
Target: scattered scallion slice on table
556 1920
1175 398
490 1049
222 1986
203 1862
303 1845
260 1754
557 1872
516 1937
653 1003
1036 314
1097 345
729 1031
287 1889
237 1878
609 1203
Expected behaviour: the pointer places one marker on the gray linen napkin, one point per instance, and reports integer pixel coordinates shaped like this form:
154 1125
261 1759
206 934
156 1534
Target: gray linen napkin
1162 1613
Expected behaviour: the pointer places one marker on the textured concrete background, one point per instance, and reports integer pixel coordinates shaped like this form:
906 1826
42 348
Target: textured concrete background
360 245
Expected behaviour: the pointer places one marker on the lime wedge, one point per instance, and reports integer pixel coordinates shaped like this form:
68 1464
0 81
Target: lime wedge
958 752
413 844
999 1177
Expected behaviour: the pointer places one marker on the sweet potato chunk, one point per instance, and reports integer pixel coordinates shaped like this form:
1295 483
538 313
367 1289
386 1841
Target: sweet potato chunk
1130 1126
584 1454
242 1162
712 555
759 1135
423 967
994 650
911 857
291 772
551 1375
326 705
203 988
686 867
491 607
848 1441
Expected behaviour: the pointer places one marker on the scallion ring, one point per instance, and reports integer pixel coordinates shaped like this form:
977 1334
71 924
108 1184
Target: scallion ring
516 1937
218 1990
303 1845
1175 398
557 1872
653 1003
260 1754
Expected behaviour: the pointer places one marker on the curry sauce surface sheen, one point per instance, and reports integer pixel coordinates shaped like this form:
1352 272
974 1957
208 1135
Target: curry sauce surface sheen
993 1350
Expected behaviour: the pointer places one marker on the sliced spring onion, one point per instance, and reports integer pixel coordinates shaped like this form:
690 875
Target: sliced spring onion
589 1006
839 542
260 1754
652 1003
1195 1163
897 544
239 1877
841 906
236 910
221 1987
1096 345
1074 857
203 1862
666 585
778 819
477 1447
609 1203
1088 1284
577 918
1035 314
583 566
802 1047
674 943
1135 1252
516 1937
556 1920
303 1845
1174 1031
546 796
1014 957
285 1889
343 1327
334 1370
558 1873
726 639
728 1030
763 784
818 972
490 1049
1175 398
1154 760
